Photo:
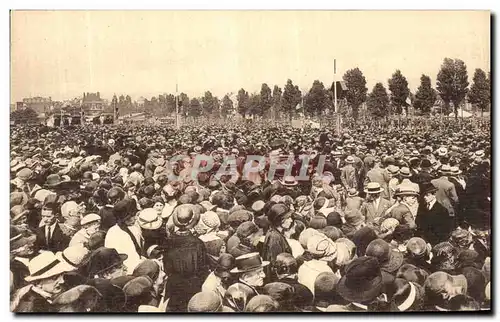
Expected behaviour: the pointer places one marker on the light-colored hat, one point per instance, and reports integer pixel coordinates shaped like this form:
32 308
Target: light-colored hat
445 169
210 219
148 219
90 218
373 187
406 190
41 194
442 151
393 169
455 171
322 246
73 255
46 265
68 207
479 153
349 159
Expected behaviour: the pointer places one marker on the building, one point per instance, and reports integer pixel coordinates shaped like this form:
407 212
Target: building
38 104
92 103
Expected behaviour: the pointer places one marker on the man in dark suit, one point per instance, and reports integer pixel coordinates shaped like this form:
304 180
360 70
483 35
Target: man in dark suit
434 224
424 175
50 236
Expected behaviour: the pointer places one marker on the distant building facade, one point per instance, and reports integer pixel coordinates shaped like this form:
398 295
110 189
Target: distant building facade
92 103
38 104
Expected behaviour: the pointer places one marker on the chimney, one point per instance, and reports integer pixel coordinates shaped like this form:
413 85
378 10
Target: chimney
83 95
98 95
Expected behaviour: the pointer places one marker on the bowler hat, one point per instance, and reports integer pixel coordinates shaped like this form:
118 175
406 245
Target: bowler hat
412 273
103 259
248 262
185 217
205 302
428 187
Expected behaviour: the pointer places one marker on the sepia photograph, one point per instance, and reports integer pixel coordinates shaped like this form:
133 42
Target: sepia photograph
250 161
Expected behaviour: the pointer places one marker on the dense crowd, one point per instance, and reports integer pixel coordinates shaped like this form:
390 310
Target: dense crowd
380 217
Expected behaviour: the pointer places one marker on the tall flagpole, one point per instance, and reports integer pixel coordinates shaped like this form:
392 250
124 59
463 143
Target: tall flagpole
337 115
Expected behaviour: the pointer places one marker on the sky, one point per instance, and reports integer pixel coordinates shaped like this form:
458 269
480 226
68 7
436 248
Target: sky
145 53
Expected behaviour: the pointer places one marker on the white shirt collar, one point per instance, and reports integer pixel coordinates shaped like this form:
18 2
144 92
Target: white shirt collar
431 204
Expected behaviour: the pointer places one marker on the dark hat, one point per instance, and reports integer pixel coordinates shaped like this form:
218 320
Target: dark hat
138 291
361 238
124 209
469 258
224 265
412 273
184 199
238 217
283 293
53 180
115 299
325 289
390 260
262 303
408 296
476 282
185 217
81 298
317 222
334 219
362 281
248 262
205 302
332 232
278 213
428 187
19 238
103 259
246 229
285 263
147 268
116 193
96 240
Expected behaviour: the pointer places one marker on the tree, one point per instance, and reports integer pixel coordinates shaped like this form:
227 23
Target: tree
128 102
266 99
356 89
23 116
316 100
242 99
114 101
425 96
121 102
208 103
452 83
170 103
184 103
277 95
480 90
378 101
227 107
195 109
254 105
398 85
292 96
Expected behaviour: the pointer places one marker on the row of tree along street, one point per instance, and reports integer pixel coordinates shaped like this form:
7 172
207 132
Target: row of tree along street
452 90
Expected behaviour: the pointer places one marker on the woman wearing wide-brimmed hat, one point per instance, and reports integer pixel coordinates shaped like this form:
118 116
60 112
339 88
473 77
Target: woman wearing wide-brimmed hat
185 259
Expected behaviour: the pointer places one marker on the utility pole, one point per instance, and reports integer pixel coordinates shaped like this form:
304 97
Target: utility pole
176 107
114 111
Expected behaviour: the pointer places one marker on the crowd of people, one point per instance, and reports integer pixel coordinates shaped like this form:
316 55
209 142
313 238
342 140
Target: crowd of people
380 218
